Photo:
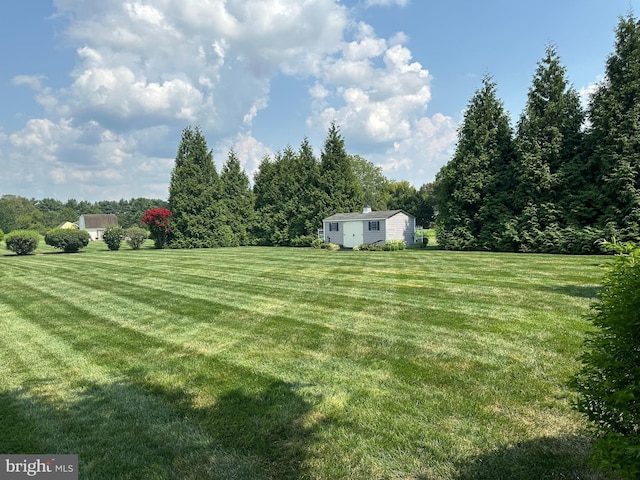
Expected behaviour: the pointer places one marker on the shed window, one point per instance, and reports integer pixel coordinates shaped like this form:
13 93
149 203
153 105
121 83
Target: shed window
374 225
334 227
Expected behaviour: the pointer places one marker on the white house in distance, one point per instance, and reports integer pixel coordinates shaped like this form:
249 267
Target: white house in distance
351 229
96 223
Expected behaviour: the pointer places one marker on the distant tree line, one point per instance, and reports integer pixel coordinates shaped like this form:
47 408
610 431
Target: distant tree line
564 179
19 213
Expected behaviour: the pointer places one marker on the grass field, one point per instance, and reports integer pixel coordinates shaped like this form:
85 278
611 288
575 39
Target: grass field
278 363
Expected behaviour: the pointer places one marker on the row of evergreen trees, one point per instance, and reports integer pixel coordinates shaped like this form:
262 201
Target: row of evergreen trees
564 179
290 196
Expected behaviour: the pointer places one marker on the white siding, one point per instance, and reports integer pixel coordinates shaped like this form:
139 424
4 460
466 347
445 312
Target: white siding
334 236
374 236
401 227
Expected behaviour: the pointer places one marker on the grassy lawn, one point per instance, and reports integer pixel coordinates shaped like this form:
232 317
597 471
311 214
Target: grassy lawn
278 363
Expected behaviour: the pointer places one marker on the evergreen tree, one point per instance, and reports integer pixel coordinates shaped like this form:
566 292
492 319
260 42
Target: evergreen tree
266 193
475 190
237 199
309 218
548 143
341 191
274 189
615 133
194 194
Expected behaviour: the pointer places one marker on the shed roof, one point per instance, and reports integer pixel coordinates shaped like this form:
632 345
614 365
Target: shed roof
376 215
99 220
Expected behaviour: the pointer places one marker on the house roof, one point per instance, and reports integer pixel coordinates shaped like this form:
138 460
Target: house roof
376 215
67 225
99 220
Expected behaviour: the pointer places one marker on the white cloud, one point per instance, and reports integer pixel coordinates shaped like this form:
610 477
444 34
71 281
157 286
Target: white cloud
146 69
80 159
248 150
585 93
32 81
419 157
386 3
384 93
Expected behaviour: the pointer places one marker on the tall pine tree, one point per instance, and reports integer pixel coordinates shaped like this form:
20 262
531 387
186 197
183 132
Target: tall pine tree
341 191
237 199
548 141
194 194
615 133
475 190
267 203
305 219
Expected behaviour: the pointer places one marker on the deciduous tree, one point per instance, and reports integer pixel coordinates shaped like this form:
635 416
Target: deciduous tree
374 185
159 222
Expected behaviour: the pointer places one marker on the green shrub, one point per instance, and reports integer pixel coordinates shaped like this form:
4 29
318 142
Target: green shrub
22 242
317 243
69 240
303 240
608 383
135 237
1 235
113 236
394 245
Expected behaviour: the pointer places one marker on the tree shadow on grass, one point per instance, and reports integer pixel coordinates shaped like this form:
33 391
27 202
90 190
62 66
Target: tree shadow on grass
129 430
546 458
579 291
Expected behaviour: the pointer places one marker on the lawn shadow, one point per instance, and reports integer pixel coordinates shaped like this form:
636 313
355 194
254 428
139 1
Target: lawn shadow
579 291
546 458
130 430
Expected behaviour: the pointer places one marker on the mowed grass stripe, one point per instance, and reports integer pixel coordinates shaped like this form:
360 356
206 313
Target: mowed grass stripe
389 369
127 312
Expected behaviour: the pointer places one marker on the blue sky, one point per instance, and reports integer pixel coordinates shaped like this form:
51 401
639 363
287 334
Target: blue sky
94 95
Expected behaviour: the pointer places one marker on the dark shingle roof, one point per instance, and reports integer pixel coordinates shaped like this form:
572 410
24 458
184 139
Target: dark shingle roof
377 215
99 220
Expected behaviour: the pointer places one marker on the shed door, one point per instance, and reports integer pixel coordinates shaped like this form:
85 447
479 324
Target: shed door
353 234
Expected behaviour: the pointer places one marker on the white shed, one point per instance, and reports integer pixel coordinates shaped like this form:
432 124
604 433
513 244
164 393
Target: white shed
371 227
